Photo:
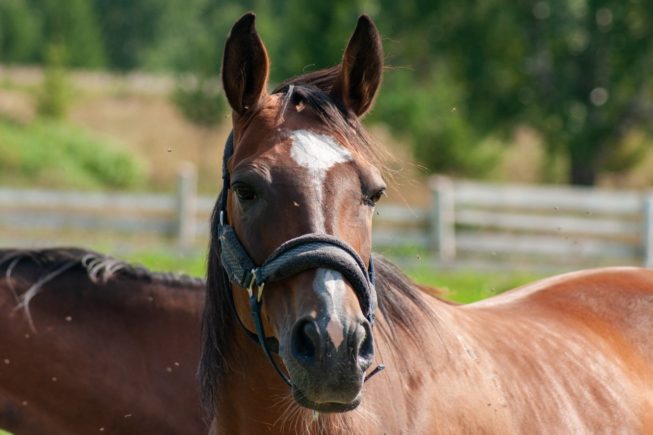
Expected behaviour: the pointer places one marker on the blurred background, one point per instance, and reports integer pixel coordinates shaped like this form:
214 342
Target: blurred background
111 113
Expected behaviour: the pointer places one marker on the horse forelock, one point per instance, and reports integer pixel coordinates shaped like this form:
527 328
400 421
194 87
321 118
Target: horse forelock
314 90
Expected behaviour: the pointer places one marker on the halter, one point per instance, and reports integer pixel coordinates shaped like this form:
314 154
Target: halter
302 253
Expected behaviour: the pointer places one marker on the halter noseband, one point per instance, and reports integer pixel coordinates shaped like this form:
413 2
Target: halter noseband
302 253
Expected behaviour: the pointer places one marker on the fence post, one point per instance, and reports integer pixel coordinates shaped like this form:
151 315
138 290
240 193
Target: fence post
186 204
648 230
442 219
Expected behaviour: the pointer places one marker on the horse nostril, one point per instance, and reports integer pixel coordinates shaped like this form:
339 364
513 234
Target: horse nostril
306 341
364 344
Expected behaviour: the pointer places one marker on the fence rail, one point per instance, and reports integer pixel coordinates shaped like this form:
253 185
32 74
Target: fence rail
561 224
465 220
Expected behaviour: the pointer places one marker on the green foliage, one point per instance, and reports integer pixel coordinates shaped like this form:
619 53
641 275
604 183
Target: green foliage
433 120
74 25
200 102
130 28
59 155
19 31
55 93
313 37
577 72
29 27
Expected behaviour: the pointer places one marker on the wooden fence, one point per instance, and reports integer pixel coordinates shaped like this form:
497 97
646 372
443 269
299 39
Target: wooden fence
466 222
565 225
42 217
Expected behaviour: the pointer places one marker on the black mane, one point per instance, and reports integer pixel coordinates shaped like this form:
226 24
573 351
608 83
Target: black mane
98 267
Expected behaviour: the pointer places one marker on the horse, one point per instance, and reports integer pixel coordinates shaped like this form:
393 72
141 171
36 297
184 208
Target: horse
299 347
90 344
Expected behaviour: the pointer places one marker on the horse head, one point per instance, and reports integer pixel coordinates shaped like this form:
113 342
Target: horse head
302 165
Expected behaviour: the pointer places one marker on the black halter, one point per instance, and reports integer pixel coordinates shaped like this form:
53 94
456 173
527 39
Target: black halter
302 253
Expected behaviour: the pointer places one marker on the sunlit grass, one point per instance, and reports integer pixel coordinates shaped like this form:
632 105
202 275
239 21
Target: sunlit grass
465 286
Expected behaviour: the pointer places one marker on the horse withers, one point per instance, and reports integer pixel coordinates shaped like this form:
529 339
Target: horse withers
300 316
89 344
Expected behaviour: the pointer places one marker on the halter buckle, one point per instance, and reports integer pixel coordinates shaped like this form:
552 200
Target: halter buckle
259 288
252 282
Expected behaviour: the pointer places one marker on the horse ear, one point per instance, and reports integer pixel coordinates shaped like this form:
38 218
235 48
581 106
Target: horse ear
361 69
245 65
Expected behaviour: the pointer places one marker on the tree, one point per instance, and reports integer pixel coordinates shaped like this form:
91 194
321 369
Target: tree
130 28
579 72
19 31
74 25
54 96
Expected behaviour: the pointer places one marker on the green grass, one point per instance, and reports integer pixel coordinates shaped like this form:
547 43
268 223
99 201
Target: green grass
191 263
463 286
58 155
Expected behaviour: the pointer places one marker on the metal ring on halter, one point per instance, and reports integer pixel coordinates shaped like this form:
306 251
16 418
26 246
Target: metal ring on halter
252 282
259 296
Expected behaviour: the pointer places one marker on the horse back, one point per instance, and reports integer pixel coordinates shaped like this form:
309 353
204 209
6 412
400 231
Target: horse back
615 300
576 345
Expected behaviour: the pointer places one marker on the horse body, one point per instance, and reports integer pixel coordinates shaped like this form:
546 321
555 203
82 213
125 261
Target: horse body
110 350
571 354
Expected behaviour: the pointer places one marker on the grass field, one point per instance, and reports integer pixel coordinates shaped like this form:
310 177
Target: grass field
461 286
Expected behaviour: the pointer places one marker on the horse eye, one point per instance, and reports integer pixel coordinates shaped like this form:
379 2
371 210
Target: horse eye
373 199
244 192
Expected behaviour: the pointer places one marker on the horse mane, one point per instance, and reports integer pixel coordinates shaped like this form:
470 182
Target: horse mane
100 269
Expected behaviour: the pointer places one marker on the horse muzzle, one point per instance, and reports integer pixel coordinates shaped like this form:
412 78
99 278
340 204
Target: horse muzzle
327 357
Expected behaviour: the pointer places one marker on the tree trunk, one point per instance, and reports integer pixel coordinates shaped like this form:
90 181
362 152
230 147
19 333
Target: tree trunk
582 172
583 159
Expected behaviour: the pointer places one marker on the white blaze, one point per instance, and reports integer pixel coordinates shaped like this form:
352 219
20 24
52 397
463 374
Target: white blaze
330 285
317 153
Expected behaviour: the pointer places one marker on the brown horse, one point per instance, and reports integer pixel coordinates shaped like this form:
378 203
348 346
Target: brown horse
570 354
89 344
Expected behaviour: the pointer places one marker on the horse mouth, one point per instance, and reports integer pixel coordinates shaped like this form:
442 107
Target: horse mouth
331 407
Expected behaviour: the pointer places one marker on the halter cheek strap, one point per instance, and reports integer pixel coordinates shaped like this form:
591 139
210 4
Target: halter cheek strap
306 252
